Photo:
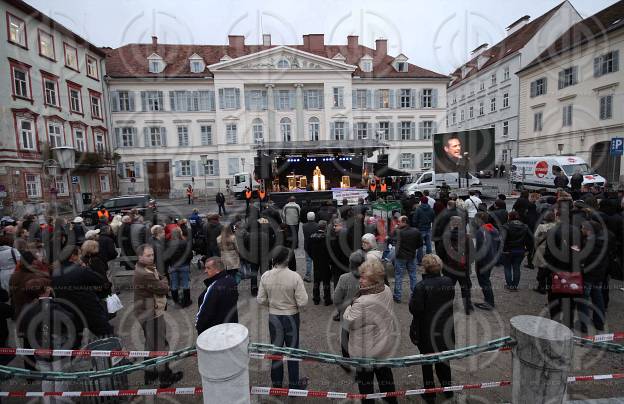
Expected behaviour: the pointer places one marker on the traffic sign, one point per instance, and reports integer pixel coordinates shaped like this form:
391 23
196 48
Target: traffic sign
617 146
74 179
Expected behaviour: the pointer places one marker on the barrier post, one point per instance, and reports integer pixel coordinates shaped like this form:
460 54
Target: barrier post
223 361
541 360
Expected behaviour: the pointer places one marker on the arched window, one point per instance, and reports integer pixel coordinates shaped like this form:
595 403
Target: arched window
257 129
314 128
285 129
283 64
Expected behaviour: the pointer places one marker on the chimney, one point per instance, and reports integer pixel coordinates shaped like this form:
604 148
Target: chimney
516 25
479 50
154 42
306 42
316 42
266 39
352 42
236 42
381 48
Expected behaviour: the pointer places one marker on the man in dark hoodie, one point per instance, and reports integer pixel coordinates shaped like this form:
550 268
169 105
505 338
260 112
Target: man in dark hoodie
218 303
422 219
210 231
487 242
321 261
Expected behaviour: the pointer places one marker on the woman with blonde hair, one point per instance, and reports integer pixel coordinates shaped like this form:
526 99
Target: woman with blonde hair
228 248
373 329
90 257
116 224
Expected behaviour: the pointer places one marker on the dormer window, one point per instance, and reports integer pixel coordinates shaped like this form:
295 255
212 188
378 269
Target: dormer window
339 57
366 63
283 64
197 63
155 63
401 66
400 63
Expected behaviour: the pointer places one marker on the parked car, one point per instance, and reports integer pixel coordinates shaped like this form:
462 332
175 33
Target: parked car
145 204
484 174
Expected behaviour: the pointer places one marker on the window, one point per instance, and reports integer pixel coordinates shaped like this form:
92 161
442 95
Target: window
506 73
482 86
454 117
339 130
313 99
383 130
283 64
197 66
209 168
314 129
407 161
492 104
127 137
183 136
50 88
401 66
33 186
71 56
606 107
256 100
567 115
26 128
461 116
505 155
481 108
427 129
75 98
285 130
406 130
338 97
155 138
257 131
405 99
537 121
96 104
46 45
60 182
568 77
505 100
206 135
285 100
383 98
470 112
17 30
230 133
505 128
607 63
185 101
185 168
360 99
427 160
123 101
233 165
493 79
426 98
55 134
152 100
104 183
361 130
538 87
80 140
20 73
92 67
129 170
155 66
229 98
367 66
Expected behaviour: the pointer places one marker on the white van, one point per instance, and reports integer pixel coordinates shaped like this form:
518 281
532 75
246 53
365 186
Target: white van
539 172
240 182
431 181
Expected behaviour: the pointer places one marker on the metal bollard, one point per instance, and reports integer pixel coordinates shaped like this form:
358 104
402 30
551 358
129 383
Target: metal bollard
541 360
223 361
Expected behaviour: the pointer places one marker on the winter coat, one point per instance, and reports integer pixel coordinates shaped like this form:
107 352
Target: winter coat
517 237
540 239
308 229
291 213
458 254
283 291
522 206
346 288
561 181
499 217
372 325
229 253
150 293
210 232
178 254
340 249
107 248
97 265
594 259
319 250
9 257
431 305
488 246
17 287
408 241
218 303
423 217
576 181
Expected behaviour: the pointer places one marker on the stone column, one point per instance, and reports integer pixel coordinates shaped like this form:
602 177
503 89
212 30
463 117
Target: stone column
271 113
223 361
299 110
541 360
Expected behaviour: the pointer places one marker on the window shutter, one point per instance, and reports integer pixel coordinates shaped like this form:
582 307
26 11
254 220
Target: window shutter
434 98
264 100
161 101
146 137
215 167
369 99
163 135
421 104
193 168
137 169
597 66
135 138
561 76
545 85
172 100
221 99
533 88
616 60
375 136
369 131
204 136
115 101
120 170
390 130
413 93
178 168
434 127
131 100
237 92
143 101
412 130
353 99
332 130
421 130
575 74
201 167
118 137
392 100
570 120
305 99
321 99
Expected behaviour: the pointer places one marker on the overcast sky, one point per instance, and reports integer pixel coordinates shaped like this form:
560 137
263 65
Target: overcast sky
434 34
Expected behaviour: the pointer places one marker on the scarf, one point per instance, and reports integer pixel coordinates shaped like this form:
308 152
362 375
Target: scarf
371 290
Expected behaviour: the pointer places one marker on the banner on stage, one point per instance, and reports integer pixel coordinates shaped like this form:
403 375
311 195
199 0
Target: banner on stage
351 194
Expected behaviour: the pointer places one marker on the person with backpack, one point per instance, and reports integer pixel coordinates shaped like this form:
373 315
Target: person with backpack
487 242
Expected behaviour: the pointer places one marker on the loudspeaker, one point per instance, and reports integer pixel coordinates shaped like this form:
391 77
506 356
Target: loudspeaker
262 167
382 159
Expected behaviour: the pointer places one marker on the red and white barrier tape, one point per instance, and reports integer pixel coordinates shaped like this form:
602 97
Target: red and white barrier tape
271 391
83 353
615 336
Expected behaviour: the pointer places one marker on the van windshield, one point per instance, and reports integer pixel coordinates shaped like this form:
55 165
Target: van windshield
238 179
571 169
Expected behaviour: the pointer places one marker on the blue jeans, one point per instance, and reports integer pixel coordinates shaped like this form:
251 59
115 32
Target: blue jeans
483 277
426 236
308 272
284 331
594 301
512 261
179 277
400 265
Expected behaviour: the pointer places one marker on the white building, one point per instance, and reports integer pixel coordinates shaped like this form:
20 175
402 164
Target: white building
571 95
173 104
483 92
51 94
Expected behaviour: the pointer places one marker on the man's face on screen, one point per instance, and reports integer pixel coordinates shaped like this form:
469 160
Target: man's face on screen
453 148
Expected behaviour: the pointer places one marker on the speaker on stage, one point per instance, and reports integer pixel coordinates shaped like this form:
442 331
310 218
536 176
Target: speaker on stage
262 167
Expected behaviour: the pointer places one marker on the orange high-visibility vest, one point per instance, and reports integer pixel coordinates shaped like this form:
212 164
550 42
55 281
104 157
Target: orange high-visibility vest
261 194
247 194
189 191
103 213
384 188
372 187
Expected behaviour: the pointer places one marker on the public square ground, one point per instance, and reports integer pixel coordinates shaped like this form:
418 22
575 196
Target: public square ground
321 334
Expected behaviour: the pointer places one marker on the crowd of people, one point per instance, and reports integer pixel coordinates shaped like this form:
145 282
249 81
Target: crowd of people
355 260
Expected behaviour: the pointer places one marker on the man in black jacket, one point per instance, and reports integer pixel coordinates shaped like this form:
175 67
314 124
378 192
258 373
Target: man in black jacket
210 231
321 259
408 241
218 303
106 243
220 200
309 228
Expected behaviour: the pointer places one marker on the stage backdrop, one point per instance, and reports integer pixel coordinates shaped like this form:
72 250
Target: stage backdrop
471 150
333 168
